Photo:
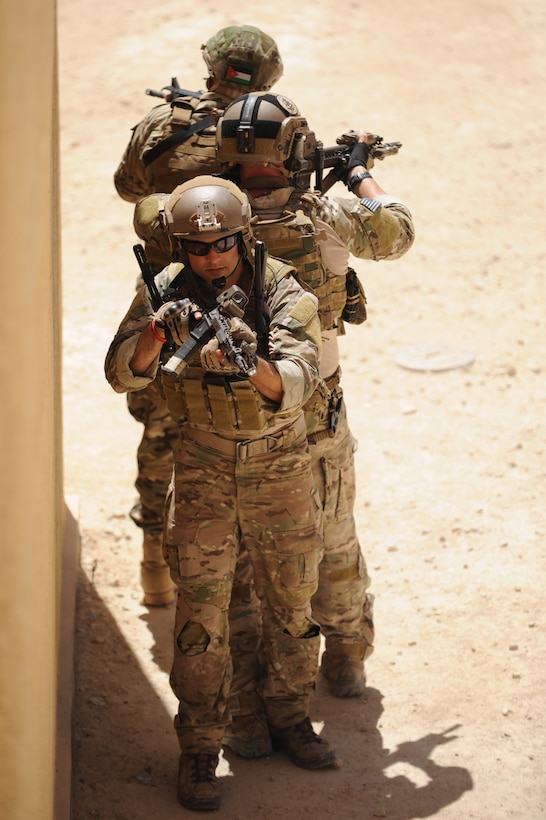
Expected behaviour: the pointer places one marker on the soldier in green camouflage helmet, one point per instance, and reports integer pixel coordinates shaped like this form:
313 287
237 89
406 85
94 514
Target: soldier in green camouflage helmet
264 137
242 475
238 58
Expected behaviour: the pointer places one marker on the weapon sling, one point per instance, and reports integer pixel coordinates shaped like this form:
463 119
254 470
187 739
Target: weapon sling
175 139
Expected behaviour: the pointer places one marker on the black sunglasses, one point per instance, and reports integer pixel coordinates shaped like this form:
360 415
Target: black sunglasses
226 243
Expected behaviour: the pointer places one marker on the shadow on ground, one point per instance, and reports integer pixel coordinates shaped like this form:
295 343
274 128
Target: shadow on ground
125 749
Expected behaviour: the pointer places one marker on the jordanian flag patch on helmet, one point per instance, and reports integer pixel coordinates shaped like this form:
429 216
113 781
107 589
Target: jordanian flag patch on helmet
238 75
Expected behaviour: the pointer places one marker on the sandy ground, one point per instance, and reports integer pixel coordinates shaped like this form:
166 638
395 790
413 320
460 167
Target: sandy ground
451 470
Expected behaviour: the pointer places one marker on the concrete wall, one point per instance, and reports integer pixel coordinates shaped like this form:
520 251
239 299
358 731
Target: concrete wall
32 511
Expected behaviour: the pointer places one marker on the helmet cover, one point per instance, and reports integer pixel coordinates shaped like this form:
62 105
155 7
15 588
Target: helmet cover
240 57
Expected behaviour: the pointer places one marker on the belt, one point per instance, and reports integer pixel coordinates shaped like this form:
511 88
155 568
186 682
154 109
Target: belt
241 450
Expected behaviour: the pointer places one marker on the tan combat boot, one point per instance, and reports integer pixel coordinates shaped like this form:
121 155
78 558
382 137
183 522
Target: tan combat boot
343 668
304 747
248 733
155 577
198 787
248 736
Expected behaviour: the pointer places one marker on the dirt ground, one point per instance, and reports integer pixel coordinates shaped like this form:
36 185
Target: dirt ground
451 462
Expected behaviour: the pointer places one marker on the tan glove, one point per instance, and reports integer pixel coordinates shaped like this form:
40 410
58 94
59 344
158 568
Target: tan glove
175 318
243 337
210 360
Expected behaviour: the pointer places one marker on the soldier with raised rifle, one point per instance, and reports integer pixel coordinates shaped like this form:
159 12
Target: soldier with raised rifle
242 471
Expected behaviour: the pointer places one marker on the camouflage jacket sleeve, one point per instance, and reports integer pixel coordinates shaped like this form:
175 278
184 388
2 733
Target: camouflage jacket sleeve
132 179
116 367
294 337
386 234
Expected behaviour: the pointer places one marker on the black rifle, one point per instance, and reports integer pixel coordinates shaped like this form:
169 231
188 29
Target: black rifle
262 328
316 158
172 91
215 322
148 276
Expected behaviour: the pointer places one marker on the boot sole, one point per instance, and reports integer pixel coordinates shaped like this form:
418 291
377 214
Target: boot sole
159 598
331 760
200 805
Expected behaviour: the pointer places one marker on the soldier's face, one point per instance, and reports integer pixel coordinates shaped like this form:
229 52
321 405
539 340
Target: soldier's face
215 259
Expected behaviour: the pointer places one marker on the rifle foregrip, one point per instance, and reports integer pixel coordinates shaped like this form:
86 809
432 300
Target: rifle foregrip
180 358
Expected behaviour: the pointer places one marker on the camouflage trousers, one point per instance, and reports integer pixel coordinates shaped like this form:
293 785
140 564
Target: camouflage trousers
266 504
154 456
341 606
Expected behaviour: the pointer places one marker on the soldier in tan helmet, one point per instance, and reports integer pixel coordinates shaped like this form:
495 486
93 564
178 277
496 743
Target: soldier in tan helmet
242 473
173 143
267 142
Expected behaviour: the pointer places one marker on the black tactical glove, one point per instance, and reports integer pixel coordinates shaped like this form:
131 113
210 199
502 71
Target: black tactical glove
174 317
360 155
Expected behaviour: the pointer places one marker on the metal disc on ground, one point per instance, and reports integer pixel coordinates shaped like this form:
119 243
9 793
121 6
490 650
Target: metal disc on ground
432 357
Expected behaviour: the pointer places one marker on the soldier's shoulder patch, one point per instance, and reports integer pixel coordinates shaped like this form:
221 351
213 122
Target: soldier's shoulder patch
371 205
303 311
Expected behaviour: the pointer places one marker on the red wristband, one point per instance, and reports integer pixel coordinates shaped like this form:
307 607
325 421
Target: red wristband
155 334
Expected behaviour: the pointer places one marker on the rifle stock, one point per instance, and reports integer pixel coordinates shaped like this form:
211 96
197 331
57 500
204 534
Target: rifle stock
172 91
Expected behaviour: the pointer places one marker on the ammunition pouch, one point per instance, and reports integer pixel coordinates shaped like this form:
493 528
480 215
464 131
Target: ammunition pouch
354 311
212 401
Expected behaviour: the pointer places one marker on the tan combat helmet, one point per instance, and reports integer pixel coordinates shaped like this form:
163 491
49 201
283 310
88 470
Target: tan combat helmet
207 208
264 128
241 58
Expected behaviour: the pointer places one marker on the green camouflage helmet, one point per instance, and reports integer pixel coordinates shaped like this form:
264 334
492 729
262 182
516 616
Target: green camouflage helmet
241 58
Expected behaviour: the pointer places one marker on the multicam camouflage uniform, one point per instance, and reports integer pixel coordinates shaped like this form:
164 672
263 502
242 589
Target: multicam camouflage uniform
250 485
238 58
317 234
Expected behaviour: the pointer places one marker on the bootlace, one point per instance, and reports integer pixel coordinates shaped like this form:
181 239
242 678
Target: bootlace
204 768
307 733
